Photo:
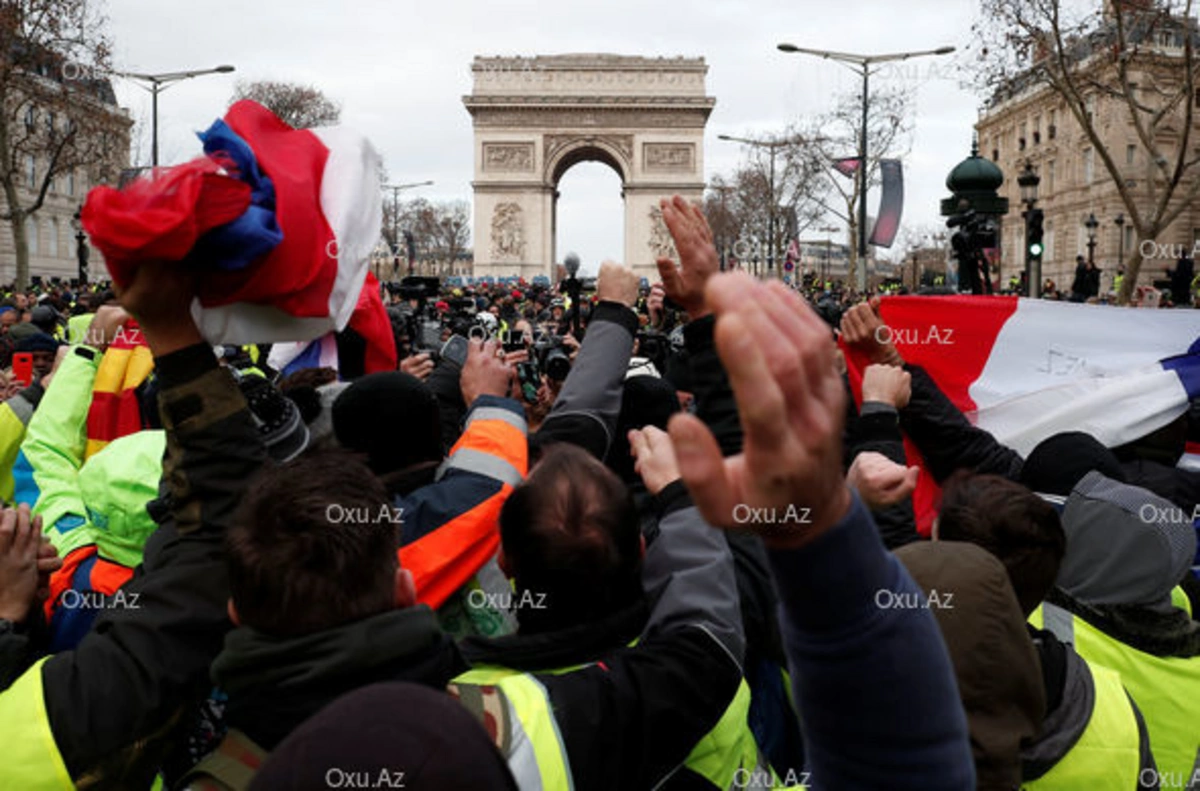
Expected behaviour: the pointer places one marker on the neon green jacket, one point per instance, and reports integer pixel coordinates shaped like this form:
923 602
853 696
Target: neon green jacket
14 417
102 502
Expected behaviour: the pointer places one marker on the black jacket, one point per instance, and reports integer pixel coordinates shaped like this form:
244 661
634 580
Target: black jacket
276 683
632 714
113 701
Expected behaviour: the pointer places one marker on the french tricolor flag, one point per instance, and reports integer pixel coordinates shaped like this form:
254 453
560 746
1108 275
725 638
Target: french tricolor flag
1026 369
282 222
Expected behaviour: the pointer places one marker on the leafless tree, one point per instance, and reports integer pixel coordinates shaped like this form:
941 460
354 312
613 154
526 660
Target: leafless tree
60 115
835 135
441 231
1134 61
299 106
761 195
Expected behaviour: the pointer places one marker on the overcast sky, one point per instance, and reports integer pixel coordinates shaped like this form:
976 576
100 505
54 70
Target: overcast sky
400 70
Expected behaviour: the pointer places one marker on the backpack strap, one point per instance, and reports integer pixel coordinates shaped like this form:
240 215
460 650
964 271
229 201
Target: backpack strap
230 767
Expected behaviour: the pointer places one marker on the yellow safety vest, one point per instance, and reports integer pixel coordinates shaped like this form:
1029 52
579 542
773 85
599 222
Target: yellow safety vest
31 758
77 327
1107 754
728 757
1166 689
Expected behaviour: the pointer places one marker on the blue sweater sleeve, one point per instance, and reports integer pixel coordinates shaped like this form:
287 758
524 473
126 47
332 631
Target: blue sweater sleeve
873 684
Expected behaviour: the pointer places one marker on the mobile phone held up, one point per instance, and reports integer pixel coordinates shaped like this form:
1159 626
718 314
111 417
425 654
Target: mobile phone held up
22 368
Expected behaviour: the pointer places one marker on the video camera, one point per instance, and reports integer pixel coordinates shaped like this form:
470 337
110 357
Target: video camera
422 323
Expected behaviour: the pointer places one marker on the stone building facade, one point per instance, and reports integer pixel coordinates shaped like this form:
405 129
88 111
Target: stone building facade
1034 124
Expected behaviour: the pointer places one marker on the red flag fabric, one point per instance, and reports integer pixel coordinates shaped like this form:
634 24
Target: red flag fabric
370 320
161 218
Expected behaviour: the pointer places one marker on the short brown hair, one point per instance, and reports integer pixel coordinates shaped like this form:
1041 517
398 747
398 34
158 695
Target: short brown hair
313 546
1011 522
571 531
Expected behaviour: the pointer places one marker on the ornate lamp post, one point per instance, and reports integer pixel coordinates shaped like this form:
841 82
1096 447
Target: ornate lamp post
1119 221
81 248
1091 223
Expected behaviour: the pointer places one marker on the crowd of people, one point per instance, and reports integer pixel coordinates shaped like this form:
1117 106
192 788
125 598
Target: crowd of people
614 538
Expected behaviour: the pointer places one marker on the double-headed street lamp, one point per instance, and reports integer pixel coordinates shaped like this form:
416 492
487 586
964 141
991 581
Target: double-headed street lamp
155 83
772 145
396 190
862 64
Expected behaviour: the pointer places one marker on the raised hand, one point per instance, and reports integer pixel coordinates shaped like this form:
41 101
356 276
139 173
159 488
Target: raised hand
887 384
20 544
698 260
787 484
880 481
654 304
484 372
617 283
655 458
863 329
160 298
418 365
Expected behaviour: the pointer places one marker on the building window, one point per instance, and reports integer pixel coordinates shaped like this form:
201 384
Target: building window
1087 166
1130 153
1050 177
30 170
30 118
51 120
31 235
52 248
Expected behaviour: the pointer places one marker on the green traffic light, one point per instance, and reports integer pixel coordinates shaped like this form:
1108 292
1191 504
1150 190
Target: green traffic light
1035 249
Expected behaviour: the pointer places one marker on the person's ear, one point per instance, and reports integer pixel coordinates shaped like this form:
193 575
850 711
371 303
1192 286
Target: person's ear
502 562
233 613
642 546
406 589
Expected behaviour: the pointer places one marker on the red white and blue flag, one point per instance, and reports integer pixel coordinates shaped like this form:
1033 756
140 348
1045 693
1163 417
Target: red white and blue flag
1025 369
282 222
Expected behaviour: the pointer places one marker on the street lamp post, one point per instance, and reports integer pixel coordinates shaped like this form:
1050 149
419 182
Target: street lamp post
862 64
396 190
1119 221
1091 223
81 248
772 145
155 83
1028 182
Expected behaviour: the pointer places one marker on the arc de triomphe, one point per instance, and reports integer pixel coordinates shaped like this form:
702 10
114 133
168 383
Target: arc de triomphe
535 118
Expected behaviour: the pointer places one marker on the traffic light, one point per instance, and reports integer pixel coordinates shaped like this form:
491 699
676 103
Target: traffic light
1034 235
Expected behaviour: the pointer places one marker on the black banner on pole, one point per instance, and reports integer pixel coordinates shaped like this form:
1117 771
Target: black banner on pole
891 203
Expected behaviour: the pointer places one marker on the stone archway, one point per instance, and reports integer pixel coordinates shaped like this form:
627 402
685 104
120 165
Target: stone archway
535 118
